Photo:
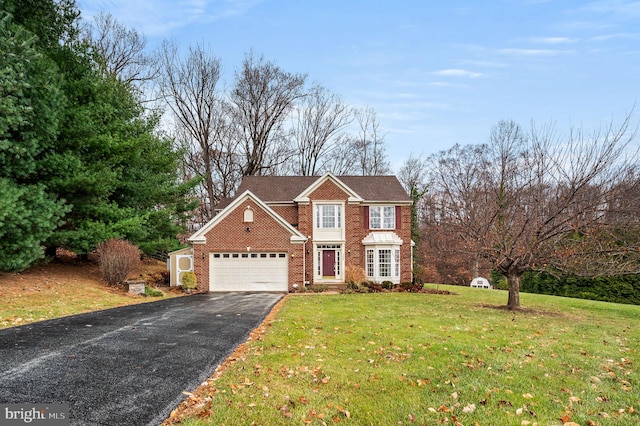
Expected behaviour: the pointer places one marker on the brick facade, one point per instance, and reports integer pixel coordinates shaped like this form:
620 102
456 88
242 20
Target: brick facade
231 233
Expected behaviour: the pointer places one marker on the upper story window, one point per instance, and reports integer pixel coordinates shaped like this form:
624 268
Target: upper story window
382 217
248 214
329 216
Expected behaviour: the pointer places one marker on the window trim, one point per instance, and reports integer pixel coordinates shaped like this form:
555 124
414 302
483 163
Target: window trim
380 269
379 217
336 217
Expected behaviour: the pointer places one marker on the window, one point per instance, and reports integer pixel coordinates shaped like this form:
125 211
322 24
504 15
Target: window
384 263
396 263
370 264
328 216
248 214
382 217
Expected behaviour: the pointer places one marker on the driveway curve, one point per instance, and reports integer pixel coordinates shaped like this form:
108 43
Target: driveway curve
127 365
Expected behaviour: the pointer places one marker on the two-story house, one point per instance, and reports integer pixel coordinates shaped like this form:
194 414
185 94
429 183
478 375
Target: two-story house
284 232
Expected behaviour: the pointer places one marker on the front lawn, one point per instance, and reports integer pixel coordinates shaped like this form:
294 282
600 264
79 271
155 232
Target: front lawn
401 358
58 289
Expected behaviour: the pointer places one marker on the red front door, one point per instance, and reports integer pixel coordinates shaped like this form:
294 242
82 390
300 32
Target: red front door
328 263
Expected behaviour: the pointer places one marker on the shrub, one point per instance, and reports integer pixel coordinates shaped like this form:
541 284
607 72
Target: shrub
116 259
387 285
354 287
189 281
152 292
317 288
353 274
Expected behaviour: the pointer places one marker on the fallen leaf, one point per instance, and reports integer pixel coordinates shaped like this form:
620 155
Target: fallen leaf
470 408
346 413
527 396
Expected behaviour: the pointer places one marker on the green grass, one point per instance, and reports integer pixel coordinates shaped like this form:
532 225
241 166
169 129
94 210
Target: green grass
400 358
31 307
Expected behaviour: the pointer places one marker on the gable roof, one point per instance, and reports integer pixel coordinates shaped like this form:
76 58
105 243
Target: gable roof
304 196
285 189
200 237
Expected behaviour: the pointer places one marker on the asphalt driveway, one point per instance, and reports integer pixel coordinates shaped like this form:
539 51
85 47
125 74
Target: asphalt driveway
128 365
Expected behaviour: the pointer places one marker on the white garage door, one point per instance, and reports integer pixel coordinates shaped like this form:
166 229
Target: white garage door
249 272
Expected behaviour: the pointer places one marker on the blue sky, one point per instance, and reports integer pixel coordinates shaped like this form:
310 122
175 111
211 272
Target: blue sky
436 72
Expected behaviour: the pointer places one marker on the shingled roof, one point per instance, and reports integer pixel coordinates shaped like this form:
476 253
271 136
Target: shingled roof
284 189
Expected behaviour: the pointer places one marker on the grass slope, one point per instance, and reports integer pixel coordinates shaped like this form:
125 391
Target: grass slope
58 289
400 358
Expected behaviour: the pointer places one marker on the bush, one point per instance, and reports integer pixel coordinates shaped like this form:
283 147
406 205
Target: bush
152 292
353 274
617 289
189 281
317 288
354 287
116 259
387 285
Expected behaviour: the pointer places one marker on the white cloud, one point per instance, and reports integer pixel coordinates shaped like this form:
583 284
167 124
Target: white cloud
160 17
456 72
553 40
629 9
607 37
532 52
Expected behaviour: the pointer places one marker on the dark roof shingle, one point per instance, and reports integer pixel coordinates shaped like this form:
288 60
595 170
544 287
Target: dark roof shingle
284 189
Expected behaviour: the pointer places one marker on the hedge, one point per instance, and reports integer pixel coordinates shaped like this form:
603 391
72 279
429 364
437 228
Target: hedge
618 289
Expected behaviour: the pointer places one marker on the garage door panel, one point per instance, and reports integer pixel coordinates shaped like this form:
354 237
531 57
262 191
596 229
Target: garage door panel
249 272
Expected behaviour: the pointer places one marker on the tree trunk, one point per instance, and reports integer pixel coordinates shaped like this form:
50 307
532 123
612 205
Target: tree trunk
514 291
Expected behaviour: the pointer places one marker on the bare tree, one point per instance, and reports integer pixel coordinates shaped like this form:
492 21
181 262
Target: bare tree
318 121
343 160
203 128
262 97
528 201
121 51
369 144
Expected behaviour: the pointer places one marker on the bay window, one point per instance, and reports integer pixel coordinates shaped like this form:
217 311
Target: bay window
383 264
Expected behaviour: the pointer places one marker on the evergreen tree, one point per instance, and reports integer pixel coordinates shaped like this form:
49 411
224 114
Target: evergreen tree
30 99
80 160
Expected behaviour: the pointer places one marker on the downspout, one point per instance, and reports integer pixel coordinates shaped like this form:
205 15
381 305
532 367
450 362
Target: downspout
304 264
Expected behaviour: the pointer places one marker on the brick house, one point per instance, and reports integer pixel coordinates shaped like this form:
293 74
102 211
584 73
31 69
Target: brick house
283 232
